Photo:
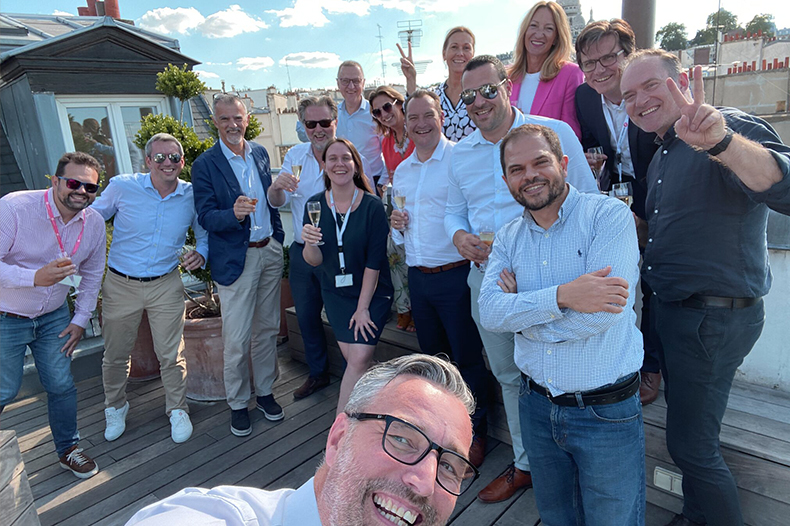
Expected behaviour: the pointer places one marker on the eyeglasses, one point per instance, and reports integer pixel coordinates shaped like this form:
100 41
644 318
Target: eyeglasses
606 60
159 158
408 445
387 107
73 184
488 91
324 123
346 82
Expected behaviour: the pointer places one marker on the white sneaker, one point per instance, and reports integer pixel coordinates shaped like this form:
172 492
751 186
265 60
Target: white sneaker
180 426
116 422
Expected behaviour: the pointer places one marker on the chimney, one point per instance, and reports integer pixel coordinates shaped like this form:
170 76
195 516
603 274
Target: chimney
111 9
83 11
91 7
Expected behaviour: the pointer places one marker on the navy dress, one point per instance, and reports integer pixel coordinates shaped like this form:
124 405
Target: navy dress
364 246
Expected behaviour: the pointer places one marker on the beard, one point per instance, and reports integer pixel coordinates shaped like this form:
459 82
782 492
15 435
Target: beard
556 188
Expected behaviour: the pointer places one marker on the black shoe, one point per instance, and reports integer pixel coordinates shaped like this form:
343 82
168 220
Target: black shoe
682 520
311 385
271 409
240 422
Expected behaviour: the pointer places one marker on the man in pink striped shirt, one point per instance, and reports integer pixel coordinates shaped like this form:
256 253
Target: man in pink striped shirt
50 240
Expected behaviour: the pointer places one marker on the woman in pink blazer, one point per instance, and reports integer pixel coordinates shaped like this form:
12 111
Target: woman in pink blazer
544 78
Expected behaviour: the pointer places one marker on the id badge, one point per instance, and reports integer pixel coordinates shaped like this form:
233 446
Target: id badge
71 281
344 280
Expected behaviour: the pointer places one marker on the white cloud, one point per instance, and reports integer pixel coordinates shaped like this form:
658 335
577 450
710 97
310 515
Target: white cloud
206 74
218 63
311 59
58 12
254 63
222 24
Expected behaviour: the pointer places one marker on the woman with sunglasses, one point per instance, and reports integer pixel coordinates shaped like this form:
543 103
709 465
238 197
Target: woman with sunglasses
386 106
354 275
544 76
457 50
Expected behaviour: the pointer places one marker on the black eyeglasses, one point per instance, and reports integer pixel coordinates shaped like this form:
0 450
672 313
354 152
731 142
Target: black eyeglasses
346 82
408 445
325 123
606 60
73 184
488 91
387 107
159 158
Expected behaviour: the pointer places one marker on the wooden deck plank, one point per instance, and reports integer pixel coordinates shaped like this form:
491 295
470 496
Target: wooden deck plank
523 512
495 463
123 515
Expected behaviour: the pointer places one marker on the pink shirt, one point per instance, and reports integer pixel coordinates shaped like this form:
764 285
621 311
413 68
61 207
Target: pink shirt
28 242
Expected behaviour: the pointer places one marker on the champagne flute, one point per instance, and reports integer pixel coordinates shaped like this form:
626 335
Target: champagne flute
252 195
486 236
598 166
297 173
624 192
399 199
314 211
70 279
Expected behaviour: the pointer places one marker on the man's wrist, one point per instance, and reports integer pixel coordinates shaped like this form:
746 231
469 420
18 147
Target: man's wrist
722 144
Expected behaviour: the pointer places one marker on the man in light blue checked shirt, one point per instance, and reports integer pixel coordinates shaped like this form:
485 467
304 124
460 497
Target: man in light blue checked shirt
560 277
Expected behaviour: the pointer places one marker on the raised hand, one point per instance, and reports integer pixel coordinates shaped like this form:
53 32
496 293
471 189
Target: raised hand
700 124
408 69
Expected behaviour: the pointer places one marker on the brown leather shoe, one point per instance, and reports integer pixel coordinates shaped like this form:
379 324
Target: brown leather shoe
648 389
477 452
310 386
505 485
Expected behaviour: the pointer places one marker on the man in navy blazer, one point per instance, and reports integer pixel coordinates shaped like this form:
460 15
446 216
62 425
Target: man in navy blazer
230 182
600 49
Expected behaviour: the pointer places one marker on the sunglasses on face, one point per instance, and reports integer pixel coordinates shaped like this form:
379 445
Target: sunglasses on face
606 60
159 158
73 184
488 91
387 107
324 123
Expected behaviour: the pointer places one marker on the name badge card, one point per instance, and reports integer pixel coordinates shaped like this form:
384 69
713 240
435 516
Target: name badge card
344 280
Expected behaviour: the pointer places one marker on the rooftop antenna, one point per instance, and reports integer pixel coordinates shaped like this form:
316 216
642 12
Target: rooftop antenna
381 49
410 33
287 70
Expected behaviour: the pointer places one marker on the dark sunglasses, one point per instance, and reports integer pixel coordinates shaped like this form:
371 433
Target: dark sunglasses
488 91
73 184
159 158
325 123
387 108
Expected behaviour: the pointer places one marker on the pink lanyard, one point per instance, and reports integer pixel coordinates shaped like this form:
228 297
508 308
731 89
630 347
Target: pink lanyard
57 232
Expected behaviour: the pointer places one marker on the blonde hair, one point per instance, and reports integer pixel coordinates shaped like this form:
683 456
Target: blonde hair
560 51
457 29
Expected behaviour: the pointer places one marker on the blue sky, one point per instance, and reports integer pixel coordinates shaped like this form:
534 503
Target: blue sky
246 42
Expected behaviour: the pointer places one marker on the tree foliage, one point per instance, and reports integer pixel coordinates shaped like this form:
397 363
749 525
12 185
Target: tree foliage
764 23
193 146
180 83
721 20
672 37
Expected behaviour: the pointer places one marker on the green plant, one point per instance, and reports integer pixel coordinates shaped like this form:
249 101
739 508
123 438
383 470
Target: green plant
180 83
150 125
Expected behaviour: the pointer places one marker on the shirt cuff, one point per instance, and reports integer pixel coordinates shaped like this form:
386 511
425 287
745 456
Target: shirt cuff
81 319
27 277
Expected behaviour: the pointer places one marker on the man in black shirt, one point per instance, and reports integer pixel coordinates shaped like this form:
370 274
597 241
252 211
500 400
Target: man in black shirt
710 185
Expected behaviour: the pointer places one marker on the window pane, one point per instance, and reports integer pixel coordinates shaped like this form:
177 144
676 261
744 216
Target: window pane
131 125
90 131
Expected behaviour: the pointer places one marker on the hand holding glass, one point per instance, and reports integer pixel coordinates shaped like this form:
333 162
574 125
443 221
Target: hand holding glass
314 211
297 173
486 236
599 164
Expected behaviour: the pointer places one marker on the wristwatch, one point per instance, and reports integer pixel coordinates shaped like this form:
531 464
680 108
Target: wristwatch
723 144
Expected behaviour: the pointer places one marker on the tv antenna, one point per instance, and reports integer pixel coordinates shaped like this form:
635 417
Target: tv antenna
409 32
381 50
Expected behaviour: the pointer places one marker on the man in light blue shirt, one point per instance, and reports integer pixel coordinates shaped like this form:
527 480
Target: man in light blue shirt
561 277
153 213
477 200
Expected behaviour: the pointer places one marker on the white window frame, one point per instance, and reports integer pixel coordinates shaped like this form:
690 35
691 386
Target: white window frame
113 105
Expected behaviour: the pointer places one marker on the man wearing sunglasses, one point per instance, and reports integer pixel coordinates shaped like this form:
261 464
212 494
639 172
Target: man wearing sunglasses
398 452
478 197
49 241
153 213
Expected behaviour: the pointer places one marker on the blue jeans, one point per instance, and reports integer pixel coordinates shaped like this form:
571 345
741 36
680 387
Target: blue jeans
588 464
54 369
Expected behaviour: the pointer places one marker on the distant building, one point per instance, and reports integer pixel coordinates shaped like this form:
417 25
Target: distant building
573 10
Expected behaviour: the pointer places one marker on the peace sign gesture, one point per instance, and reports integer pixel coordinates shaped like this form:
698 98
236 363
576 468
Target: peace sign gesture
700 124
408 69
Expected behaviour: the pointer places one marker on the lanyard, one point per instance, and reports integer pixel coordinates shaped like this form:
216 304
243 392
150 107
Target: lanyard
57 232
340 231
623 134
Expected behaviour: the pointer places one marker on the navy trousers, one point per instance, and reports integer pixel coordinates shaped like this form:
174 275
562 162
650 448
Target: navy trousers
306 292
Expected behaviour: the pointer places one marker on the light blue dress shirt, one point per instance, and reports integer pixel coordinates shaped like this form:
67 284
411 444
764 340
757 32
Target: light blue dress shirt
561 349
148 229
478 196
246 174
360 129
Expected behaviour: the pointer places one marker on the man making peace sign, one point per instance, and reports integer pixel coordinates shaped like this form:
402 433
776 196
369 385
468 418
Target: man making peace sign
710 185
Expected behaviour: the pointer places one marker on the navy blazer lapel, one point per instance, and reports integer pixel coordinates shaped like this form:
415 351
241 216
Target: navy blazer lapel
224 168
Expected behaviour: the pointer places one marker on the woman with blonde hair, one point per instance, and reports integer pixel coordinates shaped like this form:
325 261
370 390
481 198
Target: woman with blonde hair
544 76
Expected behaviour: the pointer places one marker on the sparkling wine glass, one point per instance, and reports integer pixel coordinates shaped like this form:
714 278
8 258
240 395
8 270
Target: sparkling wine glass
314 211
252 195
597 167
624 192
486 236
68 280
297 173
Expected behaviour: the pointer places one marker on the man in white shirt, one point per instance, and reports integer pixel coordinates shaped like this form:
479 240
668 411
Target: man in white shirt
440 298
379 463
478 198
354 121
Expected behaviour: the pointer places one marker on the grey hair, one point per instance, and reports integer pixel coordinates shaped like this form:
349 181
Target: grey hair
226 98
323 100
432 368
162 137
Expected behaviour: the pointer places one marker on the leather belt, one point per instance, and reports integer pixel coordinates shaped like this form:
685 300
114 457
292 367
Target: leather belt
699 301
604 396
144 280
259 244
12 315
443 268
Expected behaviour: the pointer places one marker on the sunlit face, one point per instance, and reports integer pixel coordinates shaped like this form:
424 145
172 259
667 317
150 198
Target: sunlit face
79 199
364 482
354 81
487 114
604 79
231 120
167 171
424 123
391 118
647 99
541 34
459 51
340 166
319 135
535 177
